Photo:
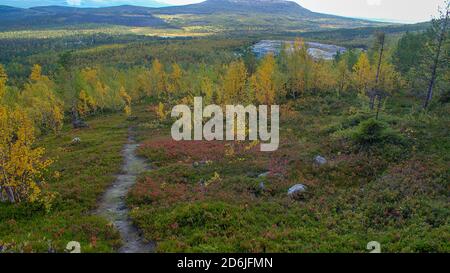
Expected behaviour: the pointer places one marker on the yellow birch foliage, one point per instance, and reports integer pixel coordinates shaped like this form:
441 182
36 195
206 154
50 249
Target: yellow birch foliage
127 99
207 87
160 112
144 85
389 79
158 79
323 78
175 80
22 165
86 104
343 76
36 73
299 69
40 101
234 83
263 82
362 74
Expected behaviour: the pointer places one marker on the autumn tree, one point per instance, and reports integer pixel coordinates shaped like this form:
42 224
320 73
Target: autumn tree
323 78
263 81
36 73
299 67
144 84
234 83
158 79
22 165
362 74
343 76
41 102
86 104
174 86
127 100
161 112
207 89
92 94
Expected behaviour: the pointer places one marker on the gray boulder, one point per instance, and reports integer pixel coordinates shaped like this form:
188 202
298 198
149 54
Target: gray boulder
320 160
296 189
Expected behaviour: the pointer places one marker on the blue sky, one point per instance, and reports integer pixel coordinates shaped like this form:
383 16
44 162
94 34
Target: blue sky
408 11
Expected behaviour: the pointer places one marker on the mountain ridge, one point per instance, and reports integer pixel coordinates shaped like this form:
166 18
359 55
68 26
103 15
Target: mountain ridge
82 4
223 15
214 6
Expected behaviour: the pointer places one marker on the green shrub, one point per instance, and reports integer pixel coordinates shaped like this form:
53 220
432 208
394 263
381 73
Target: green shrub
373 132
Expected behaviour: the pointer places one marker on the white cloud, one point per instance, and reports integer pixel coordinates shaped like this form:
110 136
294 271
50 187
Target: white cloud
181 2
74 2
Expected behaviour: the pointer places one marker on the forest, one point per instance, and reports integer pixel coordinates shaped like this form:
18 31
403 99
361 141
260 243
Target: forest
365 135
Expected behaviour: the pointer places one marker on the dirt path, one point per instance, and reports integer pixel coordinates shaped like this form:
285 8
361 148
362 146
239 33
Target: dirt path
113 206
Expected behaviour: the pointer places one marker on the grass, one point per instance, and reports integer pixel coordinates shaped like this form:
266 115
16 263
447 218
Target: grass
206 197
86 170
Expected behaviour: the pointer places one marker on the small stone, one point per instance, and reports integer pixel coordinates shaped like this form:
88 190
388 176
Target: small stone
76 140
299 188
263 175
201 163
320 160
261 186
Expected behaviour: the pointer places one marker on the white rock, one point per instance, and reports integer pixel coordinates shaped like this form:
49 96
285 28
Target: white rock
299 188
320 160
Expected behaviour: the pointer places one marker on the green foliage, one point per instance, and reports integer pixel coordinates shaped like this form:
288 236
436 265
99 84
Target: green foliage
373 132
81 174
409 51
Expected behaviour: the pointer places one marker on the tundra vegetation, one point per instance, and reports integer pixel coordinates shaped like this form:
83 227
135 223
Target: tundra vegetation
379 115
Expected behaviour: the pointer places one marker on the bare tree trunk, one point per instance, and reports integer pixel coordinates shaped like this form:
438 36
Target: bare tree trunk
10 193
2 197
374 94
372 99
380 99
436 62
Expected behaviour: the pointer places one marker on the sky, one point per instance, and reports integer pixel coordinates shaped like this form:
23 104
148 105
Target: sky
406 11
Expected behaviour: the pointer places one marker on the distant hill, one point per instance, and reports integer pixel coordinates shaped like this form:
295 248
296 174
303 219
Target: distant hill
52 16
211 15
82 3
240 6
256 15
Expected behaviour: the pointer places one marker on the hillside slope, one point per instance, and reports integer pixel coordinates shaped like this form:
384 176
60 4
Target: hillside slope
211 15
81 4
52 16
